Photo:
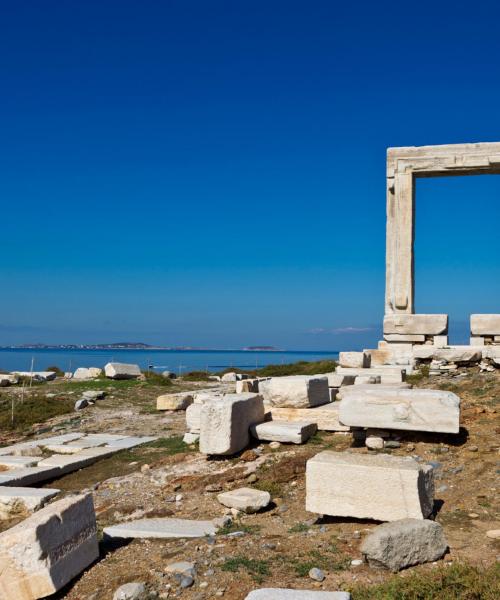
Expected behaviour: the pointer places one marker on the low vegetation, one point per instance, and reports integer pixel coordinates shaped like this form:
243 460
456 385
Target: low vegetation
455 582
302 367
31 410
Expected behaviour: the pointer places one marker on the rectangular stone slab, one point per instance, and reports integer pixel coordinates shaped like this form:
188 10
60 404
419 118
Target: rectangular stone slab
284 431
409 410
326 416
19 461
296 391
286 594
225 422
130 442
161 528
379 487
29 475
388 374
45 551
485 324
15 500
415 324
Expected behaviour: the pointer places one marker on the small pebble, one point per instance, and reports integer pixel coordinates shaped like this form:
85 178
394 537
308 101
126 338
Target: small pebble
274 445
357 562
493 534
473 515
473 448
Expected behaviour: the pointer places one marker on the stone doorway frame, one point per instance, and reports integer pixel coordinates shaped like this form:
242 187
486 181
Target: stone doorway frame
404 165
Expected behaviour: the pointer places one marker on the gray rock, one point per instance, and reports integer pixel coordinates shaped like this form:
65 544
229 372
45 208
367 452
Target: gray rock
83 403
130 591
404 543
316 574
93 395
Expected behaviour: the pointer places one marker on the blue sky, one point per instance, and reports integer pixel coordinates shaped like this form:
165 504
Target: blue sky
212 173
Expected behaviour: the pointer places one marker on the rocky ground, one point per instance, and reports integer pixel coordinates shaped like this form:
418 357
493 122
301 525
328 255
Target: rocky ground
279 546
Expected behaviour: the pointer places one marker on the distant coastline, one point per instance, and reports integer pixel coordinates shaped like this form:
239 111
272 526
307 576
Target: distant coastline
137 346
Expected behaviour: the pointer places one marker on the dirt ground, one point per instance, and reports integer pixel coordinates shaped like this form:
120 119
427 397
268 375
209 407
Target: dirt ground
277 547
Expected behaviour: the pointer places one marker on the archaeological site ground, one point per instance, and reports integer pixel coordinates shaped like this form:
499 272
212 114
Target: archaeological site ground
372 477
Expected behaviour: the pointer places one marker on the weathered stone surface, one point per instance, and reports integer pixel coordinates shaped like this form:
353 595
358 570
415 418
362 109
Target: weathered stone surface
412 410
404 543
93 395
174 401
414 338
485 324
284 431
87 373
286 594
190 438
380 487
193 418
354 360
458 354
326 416
388 373
7 379
297 391
19 500
28 476
121 371
45 551
225 422
229 377
130 442
247 386
131 591
367 380
440 341
374 442
337 380
246 499
37 375
161 528
406 324
19 461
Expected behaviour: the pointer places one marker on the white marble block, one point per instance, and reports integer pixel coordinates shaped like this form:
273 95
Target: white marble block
178 401
485 324
380 487
356 360
388 373
297 391
45 551
225 422
284 431
410 410
407 324
326 416
121 371
19 500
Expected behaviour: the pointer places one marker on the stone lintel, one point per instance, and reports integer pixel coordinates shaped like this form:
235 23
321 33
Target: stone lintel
421 324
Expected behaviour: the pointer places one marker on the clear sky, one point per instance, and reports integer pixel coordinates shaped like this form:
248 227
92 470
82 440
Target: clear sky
212 173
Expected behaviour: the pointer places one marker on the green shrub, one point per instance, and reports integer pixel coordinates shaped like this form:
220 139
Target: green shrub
157 379
196 376
59 372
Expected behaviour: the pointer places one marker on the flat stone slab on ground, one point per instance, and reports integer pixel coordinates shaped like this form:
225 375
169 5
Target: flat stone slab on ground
287 594
296 391
23 447
15 500
380 487
45 551
161 528
225 422
130 442
246 499
296 432
326 416
19 461
410 410
28 475
404 543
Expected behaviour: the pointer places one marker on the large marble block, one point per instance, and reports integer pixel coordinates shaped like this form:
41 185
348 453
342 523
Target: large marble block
45 551
406 324
297 391
405 409
380 487
485 324
225 423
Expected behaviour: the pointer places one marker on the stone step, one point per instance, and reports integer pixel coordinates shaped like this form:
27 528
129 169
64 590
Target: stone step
23 499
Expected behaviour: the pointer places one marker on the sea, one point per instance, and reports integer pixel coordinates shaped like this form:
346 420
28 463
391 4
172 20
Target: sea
179 361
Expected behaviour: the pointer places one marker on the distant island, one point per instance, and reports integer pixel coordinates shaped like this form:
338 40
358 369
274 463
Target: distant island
132 346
